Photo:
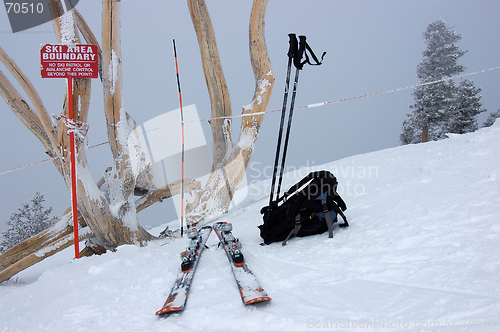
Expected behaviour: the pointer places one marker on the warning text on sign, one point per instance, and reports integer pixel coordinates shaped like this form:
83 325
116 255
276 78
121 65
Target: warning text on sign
69 61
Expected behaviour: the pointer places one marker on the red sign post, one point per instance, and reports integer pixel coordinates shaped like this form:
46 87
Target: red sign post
70 61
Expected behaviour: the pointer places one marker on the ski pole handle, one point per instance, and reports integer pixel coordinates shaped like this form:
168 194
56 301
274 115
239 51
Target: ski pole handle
294 45
300 52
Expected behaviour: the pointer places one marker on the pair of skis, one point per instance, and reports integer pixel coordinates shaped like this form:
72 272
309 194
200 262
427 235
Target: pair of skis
248 285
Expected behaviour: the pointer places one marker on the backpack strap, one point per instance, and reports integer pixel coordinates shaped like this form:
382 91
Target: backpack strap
295 230
316 175
299 184
328 218
339 201
345 224
339 211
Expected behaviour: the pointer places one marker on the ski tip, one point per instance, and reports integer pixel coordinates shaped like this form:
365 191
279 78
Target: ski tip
258 299
163 311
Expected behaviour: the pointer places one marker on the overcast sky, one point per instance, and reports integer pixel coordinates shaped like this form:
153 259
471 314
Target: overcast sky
372 46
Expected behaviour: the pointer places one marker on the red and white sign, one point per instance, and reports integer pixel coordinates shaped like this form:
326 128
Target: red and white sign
69 61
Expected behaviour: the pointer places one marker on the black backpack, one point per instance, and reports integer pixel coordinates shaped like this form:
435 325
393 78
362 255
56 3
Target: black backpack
309 207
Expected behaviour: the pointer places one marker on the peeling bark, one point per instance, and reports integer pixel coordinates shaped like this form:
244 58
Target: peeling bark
216 83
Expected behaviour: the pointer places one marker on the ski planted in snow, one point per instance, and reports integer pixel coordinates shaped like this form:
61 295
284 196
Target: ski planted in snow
177 298
249 287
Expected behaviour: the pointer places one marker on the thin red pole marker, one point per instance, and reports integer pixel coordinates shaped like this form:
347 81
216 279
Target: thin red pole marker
182 140
74 206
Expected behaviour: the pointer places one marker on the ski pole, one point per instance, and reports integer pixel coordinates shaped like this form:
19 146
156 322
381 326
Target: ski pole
298 65
182 140
292 50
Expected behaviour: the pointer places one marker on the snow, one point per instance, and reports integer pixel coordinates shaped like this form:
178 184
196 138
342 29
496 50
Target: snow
260 90
113 72
422 250
67 27
263 83
247 138
43 251
85 177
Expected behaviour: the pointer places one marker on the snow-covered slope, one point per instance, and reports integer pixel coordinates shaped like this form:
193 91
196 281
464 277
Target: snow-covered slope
423 249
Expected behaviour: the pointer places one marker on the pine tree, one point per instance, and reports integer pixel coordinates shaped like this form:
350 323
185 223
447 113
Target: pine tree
491 119
441 54
30 220
431 104
434 101
409 133
461 116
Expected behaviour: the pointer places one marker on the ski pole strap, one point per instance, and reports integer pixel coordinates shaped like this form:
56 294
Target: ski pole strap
315 58
304 49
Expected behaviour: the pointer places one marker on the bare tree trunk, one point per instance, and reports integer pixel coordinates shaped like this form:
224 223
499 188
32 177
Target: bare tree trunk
107 209
216 83
109 213
60 235
40 246
230 164
425 134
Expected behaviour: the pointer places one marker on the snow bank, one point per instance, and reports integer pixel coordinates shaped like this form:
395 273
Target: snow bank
422 252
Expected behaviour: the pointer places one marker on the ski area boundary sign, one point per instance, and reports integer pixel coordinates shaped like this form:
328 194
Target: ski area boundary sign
69 61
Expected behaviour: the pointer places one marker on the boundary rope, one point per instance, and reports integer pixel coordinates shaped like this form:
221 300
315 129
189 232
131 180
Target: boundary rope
279 110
